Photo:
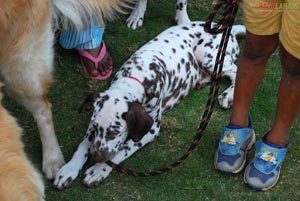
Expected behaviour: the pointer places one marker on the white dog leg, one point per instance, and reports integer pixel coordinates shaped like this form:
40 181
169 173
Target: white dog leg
100 171
226 98
181 12
69 172
136 18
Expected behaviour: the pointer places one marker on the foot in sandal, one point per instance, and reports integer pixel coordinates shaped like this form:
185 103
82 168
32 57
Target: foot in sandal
96 63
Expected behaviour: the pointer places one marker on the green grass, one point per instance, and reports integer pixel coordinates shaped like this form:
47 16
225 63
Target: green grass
195 179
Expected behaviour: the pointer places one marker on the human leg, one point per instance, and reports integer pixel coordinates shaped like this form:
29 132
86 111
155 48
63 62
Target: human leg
89 41
288 103
261 40
250 72
238 136
263 171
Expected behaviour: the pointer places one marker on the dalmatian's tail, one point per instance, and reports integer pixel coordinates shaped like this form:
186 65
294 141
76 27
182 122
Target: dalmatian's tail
77 13
238 30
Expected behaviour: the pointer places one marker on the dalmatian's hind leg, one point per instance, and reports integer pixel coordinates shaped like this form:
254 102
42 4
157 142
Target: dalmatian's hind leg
226 98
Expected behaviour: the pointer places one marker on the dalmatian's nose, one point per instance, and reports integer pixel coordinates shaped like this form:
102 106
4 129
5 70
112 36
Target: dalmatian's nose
98 158
97 145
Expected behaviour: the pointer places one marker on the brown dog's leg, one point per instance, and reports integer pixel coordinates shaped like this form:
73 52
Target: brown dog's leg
27 79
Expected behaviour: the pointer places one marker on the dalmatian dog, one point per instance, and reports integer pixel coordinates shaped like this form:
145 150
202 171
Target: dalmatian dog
136 18
157 76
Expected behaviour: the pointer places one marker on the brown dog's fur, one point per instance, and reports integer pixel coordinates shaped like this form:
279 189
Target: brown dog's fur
19 181
26 56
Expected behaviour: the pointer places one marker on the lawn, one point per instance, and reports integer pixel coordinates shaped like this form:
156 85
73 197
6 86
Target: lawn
196 179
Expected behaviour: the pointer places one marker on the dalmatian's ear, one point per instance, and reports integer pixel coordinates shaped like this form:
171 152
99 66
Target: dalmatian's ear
138 121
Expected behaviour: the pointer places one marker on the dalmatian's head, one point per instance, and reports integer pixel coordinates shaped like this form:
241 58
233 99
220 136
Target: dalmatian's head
115 119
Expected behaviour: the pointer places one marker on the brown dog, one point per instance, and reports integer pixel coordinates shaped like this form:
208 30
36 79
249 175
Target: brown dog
26 56
19 181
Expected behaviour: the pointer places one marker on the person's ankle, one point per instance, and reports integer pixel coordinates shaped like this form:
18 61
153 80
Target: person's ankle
94 52
274 141
238 122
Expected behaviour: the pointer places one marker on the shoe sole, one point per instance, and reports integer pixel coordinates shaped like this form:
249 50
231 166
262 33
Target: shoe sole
249 147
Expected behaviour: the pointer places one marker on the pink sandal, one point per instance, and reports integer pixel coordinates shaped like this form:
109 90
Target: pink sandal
96 61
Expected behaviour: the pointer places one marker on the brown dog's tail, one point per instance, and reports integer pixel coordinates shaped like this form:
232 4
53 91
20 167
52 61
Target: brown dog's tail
78 13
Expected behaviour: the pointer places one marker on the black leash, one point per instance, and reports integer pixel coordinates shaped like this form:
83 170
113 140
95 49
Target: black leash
223 26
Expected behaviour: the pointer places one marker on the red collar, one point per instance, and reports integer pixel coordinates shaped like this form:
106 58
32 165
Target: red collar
139 81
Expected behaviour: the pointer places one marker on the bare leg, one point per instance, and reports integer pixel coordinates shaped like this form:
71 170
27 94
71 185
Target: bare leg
251 70
288 105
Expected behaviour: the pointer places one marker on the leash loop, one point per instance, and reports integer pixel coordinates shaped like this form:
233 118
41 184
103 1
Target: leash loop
223 26
228 15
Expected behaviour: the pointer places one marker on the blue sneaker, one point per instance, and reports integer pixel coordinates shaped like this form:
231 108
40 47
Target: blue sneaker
234 143
262 173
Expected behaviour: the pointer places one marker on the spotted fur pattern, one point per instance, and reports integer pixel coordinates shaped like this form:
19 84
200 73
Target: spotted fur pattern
150 82
136 18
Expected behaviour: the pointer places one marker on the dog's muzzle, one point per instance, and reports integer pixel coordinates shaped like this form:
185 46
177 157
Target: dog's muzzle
101 154
99 157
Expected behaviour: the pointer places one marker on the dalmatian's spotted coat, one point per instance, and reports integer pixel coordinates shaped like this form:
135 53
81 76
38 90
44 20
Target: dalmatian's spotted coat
149 83
136 18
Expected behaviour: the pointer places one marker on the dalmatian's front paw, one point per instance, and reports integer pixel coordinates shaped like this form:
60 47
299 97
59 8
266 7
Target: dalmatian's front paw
65 176
135 20
96 174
